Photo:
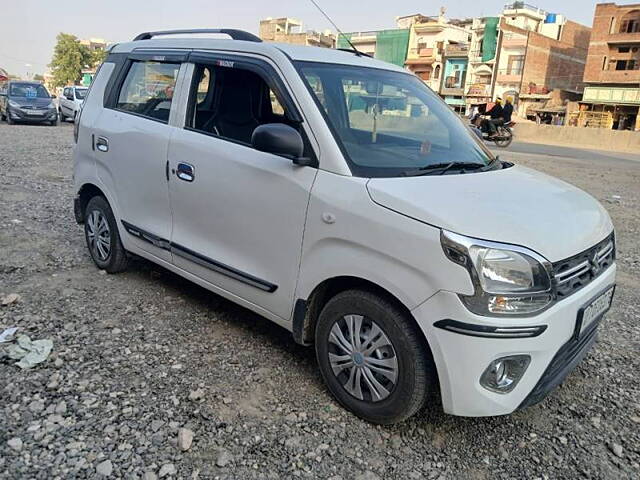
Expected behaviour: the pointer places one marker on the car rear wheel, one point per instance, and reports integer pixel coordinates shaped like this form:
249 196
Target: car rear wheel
103 239
373 358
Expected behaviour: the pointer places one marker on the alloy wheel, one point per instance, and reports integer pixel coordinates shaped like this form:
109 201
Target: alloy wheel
99 235
362 358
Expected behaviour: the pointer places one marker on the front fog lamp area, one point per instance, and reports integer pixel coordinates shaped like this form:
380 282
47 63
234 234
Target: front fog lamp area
502 375
508 280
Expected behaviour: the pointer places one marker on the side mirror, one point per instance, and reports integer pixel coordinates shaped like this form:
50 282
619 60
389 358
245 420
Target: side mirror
53 97
280 139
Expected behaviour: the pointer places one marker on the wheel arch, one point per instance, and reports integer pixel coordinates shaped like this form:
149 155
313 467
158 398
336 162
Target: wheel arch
306 311
85 193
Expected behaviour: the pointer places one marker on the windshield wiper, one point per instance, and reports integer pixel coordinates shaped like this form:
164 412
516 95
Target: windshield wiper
442 168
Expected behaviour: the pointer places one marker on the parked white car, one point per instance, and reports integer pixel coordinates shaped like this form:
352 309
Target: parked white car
339 197
70 102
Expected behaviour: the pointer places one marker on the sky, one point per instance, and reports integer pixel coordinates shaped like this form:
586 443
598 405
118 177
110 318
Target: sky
30 26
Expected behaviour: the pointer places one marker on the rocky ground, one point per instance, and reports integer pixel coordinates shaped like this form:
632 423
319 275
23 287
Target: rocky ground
153 377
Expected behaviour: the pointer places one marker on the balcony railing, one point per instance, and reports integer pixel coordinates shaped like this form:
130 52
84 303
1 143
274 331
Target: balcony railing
525 6
456 50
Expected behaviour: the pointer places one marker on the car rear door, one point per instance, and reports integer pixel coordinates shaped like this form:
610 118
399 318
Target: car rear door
131 138
238 213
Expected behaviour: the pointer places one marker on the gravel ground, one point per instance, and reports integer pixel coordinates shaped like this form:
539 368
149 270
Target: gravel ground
144 359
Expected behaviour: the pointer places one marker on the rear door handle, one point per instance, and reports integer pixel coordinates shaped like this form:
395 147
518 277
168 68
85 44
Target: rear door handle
185 172
102 144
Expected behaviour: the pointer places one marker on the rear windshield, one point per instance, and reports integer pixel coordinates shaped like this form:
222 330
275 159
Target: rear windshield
81 93
389 122
28 90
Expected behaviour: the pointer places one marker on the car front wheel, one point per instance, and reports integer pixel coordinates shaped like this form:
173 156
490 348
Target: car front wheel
103 239
373 358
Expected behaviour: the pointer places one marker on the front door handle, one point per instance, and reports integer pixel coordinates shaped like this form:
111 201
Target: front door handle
185 172
102 144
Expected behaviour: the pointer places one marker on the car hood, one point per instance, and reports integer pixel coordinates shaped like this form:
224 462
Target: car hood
31 102
514 205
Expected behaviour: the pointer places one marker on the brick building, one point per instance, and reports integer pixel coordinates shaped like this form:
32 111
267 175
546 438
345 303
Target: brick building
612 73
533 63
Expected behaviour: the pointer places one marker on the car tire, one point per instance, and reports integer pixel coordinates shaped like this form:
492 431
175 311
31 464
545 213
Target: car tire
61 115
401 363
102 237
54 123
10 120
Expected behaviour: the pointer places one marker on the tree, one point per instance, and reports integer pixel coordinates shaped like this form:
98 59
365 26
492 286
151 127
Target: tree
70 57
98 56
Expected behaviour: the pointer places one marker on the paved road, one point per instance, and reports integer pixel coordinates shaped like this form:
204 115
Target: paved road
565 152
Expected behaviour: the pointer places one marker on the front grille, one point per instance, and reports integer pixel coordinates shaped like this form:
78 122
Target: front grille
574 273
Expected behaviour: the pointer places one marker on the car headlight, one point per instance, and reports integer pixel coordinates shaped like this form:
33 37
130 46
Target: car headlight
13 104
508 279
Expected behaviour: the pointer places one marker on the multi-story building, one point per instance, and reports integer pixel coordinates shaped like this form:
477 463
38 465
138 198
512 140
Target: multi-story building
290 30
386 45
612 73
429 39
525 54
482 59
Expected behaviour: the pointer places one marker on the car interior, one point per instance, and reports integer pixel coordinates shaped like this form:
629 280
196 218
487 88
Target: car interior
232 102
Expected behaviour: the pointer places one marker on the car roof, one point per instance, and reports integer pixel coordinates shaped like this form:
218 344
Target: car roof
268 49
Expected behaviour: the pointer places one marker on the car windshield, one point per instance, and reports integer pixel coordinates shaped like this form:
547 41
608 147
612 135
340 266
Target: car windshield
389 123
28 90
81 93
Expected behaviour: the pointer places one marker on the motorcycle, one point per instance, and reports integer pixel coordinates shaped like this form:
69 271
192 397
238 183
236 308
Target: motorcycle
504 134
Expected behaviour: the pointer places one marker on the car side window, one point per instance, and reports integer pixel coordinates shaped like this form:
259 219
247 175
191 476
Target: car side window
148 89
231 102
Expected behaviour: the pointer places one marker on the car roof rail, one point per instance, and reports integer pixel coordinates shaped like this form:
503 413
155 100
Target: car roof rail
233 33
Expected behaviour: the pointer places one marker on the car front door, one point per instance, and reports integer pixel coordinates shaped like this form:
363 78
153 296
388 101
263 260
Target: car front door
131 139
238 213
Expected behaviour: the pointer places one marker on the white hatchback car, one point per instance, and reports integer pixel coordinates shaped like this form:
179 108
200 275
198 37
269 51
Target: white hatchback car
339 197
70 102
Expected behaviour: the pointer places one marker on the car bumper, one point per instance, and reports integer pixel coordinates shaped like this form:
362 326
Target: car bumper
461 359
23 116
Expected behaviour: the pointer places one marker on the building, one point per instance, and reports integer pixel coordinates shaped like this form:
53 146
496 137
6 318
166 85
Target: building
94 43
482 59
386 45
429 38
290 30
612 75
525 54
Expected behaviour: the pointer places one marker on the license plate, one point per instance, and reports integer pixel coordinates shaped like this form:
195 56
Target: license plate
34 112
594 310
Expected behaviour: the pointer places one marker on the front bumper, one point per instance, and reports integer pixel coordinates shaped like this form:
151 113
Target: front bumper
461 359
23 116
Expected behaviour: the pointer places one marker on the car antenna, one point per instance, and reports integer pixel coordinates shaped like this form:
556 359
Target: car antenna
353 48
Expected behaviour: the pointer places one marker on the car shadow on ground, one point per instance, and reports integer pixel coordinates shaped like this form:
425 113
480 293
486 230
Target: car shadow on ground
280 340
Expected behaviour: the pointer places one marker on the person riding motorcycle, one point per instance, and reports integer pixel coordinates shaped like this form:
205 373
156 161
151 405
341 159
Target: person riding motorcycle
496 115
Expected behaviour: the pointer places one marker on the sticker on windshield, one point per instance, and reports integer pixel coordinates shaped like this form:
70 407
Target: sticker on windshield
31 93
225 63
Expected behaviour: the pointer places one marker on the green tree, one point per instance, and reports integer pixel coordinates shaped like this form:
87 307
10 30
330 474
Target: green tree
70 57
98 56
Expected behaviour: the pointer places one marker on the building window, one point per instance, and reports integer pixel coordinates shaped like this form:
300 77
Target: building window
612 25
631 22
515 64
604 64
627 65
436 75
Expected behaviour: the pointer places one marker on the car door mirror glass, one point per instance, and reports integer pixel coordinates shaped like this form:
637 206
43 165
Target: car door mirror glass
279 139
